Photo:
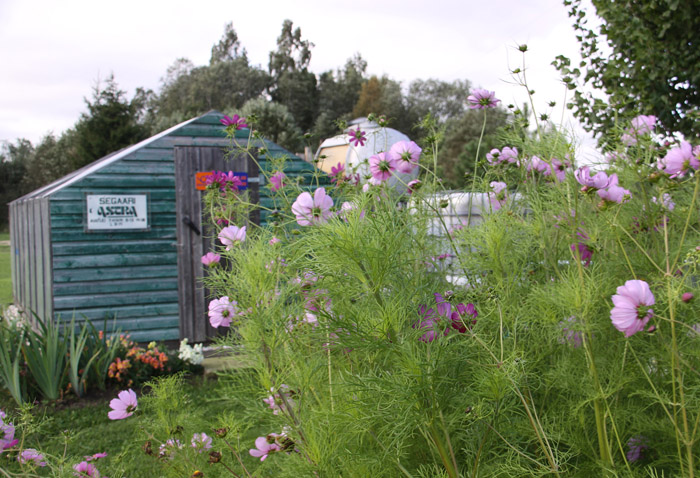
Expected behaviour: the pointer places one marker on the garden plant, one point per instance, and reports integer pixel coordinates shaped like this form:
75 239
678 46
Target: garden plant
554 333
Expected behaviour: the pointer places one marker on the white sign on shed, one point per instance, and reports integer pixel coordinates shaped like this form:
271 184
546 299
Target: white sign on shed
116 211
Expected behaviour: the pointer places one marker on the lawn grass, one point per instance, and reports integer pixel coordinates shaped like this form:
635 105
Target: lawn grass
82 428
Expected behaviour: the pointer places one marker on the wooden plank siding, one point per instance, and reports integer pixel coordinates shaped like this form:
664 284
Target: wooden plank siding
120 280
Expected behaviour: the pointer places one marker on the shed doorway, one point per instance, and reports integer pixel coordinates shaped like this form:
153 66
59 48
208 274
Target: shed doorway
195 237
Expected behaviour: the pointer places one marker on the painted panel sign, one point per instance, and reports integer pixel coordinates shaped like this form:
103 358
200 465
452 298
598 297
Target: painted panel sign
116 211
201 179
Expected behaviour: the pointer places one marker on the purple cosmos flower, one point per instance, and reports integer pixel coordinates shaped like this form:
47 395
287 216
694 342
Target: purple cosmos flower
406 154
276 181
264 446
123 406
310 211
464 317
584 252
481 98
614 192
223 181
201 442
231 236
632 309
238 122
337 172
571 336
210 259
221 312
414 185
30 454
599 181
7 433
85 469
680 160
499 196
381 166
356 136
637 446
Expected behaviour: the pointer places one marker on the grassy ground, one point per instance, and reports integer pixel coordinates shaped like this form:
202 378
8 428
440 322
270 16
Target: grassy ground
75 429
5 273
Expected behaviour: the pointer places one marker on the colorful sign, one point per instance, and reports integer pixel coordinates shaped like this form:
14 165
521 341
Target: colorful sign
116 211
201 180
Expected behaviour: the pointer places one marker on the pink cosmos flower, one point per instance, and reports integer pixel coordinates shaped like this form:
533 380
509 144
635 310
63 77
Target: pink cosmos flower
210 259
499 196
123 406
414 185
642 124
481 98
358 137
599 181
30 454
276 181
201 442
85 469
274 241
680 160
614 192
406 154
507 155
277 401
310 211
238 122
632 307
666 202
536 164
221 311
381 166
571 336
96 456
231 236
7 433
169 448
264 446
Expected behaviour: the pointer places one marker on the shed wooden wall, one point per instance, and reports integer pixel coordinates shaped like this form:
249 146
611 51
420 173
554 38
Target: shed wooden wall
133 275
30 260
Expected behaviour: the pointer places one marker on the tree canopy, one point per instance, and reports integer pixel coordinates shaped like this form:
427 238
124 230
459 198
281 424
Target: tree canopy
643 59
286 100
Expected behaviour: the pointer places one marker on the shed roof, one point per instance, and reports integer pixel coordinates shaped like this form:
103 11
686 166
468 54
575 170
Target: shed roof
79 174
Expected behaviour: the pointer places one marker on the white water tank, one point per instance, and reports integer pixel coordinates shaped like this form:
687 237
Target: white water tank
355 158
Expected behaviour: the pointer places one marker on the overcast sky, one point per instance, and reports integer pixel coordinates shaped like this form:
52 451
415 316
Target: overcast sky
53 52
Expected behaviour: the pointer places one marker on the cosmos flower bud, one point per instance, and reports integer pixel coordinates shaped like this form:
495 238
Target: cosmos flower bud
687 297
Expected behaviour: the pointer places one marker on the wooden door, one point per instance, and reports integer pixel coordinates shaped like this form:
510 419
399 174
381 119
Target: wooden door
195 237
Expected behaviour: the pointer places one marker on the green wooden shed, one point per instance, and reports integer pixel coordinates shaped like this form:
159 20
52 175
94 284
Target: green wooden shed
120 239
